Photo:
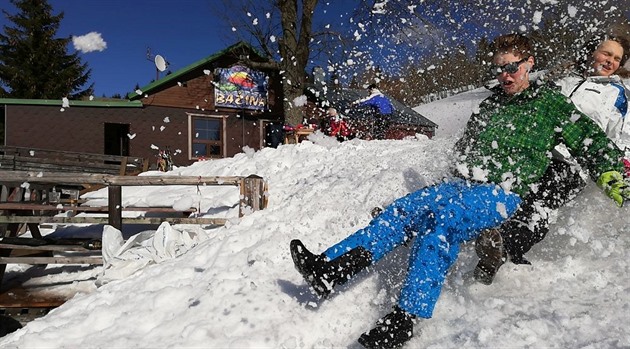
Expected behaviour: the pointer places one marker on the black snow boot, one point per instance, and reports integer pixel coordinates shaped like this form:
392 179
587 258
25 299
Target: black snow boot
489 247
391 331
323 275
376 211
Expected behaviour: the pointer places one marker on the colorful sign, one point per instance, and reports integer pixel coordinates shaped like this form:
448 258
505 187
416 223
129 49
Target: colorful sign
240 87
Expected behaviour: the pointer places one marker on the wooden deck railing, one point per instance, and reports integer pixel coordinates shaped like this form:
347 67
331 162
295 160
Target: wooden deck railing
18 211
34 159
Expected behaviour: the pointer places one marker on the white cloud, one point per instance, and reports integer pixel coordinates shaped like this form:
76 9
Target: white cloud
89 42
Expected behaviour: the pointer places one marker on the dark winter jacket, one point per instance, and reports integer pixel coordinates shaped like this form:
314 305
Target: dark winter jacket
509 141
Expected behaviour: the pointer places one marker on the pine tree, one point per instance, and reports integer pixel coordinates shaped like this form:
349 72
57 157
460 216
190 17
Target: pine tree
35 64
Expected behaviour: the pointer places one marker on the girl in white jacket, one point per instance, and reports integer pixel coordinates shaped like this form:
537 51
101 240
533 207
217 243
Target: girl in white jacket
598 93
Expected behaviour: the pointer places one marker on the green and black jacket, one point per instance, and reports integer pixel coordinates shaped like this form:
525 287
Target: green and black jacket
509 141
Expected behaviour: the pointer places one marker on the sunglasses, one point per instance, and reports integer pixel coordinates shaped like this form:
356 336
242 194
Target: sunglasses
509 68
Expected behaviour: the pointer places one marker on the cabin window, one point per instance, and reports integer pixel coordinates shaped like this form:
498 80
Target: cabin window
207 137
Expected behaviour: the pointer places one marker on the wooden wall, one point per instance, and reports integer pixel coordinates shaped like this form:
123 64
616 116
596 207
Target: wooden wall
81 129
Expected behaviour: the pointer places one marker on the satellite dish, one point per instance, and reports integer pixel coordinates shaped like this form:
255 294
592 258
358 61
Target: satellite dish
160 63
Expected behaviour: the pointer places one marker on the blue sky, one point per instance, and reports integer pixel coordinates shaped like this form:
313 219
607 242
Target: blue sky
182 31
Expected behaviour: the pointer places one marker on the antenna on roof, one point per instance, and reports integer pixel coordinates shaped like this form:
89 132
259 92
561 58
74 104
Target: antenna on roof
161 64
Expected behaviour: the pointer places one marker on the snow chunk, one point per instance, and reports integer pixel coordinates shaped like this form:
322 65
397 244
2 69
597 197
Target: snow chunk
587 142
299 101
537 17
183 203
575 117
479 174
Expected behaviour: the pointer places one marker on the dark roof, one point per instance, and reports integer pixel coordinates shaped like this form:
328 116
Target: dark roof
191 67
342 98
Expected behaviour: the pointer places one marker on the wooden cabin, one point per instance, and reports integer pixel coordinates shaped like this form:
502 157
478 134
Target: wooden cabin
212 108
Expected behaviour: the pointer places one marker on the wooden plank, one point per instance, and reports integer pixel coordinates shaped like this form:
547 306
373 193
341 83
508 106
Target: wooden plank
52 247
51 260
19 177
49 219
25 206
122 168
55 178
44 207
173 180
34 229
175 220
11 229
62 154
157 209
105 220
77 165
252 189
20 296
114 194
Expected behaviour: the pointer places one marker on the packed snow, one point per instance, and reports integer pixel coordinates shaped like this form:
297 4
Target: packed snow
237 288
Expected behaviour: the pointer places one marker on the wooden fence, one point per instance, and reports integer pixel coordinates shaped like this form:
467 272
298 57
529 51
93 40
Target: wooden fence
33 159
22 207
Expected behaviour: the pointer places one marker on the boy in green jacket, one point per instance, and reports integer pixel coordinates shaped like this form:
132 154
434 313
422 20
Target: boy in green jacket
502 155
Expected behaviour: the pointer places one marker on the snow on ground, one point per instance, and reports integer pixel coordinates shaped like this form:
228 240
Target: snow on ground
238 288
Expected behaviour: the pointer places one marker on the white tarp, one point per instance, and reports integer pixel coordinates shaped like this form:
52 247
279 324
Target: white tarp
122 258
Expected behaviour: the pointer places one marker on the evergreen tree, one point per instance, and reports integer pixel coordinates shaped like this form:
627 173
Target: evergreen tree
35 64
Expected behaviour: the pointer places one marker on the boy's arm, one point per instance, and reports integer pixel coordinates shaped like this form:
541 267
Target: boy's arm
590 145
595 151
366 102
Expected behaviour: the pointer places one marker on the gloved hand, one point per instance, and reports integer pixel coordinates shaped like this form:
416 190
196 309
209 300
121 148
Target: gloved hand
614 186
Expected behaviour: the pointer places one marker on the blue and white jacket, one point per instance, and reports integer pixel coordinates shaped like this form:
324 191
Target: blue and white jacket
377 100
605 100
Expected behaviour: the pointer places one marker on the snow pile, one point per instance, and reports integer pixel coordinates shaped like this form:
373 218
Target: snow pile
238 286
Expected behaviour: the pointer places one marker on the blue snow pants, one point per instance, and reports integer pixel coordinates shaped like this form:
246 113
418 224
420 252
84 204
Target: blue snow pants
438 218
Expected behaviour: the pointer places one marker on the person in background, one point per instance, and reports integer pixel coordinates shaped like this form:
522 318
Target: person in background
337 127
502 152
382 110
595 91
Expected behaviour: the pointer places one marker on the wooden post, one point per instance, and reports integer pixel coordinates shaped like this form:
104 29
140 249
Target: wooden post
16 195
123 167
252 194
114 193
11 229
145 165
4 195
